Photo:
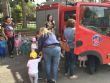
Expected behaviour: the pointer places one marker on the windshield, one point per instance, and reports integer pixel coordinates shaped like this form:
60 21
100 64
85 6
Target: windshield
96 18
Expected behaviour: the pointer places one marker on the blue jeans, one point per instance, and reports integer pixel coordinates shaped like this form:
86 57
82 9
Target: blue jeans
70 61
52 58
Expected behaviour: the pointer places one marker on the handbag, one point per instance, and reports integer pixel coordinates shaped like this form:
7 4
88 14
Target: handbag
65 46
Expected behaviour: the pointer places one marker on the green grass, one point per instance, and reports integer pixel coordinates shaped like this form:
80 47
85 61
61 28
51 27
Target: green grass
30 26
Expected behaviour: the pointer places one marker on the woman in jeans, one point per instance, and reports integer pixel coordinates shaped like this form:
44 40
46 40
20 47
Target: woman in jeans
8 33
50 47
70 58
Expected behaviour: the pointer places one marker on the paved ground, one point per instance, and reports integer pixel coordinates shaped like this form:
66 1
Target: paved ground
15 71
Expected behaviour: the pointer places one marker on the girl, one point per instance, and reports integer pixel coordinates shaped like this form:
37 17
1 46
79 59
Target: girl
18 44
34 44
32 65
82 60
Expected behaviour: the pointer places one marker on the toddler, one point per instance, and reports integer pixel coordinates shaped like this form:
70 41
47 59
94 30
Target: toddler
82 60
3 46
32 65
25 45
18 44
34 44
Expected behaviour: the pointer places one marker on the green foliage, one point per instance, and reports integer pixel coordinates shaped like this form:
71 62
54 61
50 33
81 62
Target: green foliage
30 10
0 7
17 10
17 13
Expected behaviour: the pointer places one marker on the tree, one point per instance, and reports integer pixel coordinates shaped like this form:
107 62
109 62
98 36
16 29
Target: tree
5 7
0 6
24 14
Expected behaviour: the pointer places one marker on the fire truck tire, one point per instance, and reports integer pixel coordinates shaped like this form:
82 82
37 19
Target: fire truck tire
92 64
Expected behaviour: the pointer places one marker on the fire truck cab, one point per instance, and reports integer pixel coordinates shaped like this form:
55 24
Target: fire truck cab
92 35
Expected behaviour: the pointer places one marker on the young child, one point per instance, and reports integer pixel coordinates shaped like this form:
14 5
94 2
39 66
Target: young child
32 65
25 45
18 44
62 51
34 44
3 46
82 60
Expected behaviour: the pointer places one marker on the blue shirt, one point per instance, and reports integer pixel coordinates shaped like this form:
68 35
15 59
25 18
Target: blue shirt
69 34
46 40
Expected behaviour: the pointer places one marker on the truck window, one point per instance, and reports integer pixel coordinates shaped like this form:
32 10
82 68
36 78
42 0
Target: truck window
69 14
96 18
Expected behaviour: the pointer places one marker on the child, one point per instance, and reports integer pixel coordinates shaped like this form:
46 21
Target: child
25 45
62 51
3 47
18 44
32 65
34 44
82 60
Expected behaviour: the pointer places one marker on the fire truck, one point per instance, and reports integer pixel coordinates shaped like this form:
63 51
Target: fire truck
92 37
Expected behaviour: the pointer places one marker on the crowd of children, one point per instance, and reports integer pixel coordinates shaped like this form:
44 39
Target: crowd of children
21 45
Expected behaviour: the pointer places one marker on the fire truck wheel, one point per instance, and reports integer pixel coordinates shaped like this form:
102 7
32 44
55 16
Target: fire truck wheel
92 64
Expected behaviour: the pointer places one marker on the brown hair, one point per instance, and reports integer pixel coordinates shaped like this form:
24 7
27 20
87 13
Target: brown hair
70 23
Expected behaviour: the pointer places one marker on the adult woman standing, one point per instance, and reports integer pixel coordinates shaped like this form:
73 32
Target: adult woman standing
50 24
8 32
70 60
50 47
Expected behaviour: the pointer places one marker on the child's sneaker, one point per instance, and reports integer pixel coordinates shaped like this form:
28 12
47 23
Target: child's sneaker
66 74
53 81
74 77
40 78
11 56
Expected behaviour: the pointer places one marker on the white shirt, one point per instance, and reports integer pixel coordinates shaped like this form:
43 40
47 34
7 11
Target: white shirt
33 65
34 46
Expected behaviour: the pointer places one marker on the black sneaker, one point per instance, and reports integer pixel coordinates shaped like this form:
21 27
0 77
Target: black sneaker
49 81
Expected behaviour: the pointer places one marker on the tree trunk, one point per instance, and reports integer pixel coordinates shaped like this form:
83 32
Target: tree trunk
5 7
24 14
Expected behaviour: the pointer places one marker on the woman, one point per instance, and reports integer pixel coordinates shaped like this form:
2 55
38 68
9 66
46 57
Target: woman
8 32
50 47
70 60
50 23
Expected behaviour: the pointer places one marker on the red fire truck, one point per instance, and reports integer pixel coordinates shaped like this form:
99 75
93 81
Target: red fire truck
92 36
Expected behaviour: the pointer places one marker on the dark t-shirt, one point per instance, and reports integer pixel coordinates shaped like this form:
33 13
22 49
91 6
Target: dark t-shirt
50 25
